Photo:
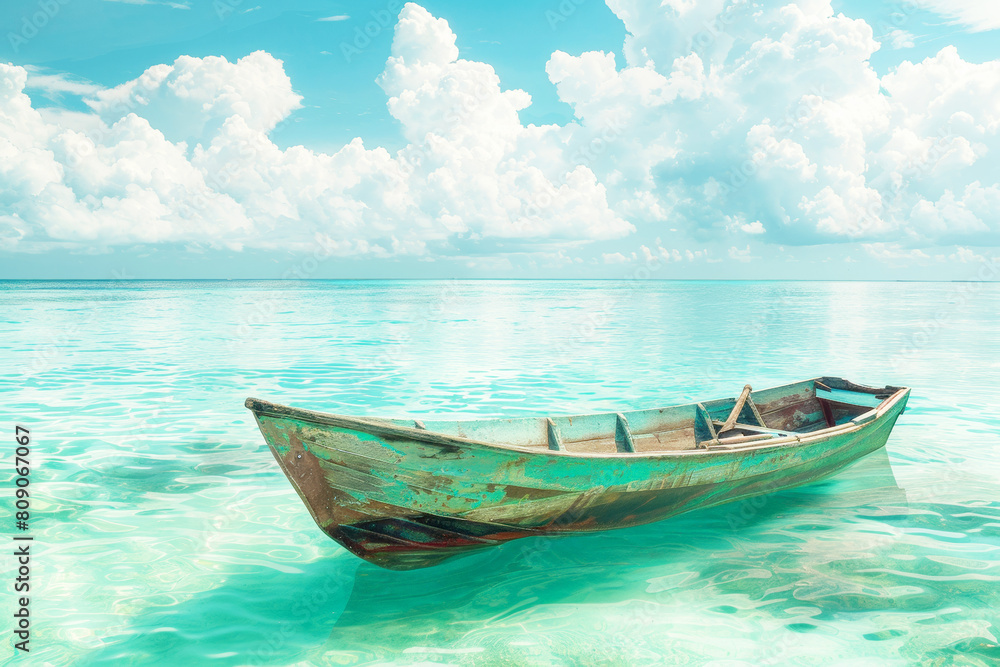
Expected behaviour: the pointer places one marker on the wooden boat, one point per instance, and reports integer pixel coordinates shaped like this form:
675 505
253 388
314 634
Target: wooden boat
405 494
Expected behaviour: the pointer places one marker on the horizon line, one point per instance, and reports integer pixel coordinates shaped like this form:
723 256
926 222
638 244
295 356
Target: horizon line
319 280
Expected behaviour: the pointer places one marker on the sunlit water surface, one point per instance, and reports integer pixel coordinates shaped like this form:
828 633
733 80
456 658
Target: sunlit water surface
165 533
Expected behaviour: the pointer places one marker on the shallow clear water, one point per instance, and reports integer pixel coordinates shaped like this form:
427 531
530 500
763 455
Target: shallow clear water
165 533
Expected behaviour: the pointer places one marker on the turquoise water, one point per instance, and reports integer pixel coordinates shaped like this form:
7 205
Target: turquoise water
165 533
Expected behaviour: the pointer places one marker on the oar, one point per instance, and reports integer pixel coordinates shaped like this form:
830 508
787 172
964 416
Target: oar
727 430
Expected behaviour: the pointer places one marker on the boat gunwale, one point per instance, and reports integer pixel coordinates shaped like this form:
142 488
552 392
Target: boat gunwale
376 426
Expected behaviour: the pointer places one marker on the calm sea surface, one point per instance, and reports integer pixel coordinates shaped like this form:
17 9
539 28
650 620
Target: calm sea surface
165 533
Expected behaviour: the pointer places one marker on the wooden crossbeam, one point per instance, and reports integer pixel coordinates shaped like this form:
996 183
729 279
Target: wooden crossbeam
555 438
756 412
707 418
623 435
737 408
738 439
756 429
827 412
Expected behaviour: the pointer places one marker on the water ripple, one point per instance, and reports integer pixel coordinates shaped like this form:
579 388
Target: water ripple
166 533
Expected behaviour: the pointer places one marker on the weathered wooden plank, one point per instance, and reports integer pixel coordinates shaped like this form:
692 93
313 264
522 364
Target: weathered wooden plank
731 419
865 417
770 400
555 439
641 422
759 429
796 417
827 412
623 436
756 412
735 439
577 428
706 420
847 385
849 397
521 431
669 441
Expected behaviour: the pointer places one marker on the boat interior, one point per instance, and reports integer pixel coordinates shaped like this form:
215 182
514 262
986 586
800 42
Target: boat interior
752 418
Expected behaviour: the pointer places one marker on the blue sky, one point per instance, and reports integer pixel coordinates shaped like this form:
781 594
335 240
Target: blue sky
516 139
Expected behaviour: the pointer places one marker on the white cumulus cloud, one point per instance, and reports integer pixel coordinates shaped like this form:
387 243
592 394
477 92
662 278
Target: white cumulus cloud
182 154
719 119
772 113
191 99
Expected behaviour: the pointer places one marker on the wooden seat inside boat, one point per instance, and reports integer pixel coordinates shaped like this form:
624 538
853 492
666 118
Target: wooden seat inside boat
727 422
749 419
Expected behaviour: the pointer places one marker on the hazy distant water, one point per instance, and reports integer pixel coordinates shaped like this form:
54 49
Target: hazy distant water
165 533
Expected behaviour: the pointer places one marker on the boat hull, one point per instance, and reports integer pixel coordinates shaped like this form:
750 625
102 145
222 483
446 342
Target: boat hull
404 499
